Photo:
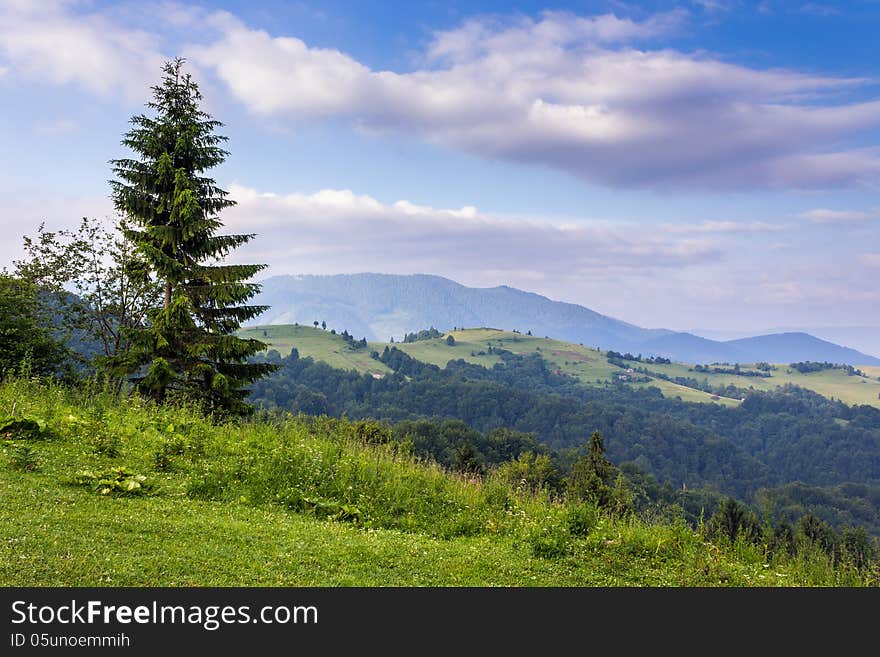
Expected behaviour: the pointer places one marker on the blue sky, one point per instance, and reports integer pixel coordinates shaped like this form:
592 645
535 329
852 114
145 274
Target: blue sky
710 164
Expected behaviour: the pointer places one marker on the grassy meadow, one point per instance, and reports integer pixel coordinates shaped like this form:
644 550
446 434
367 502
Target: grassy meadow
834 383
587 365
318 344
100 491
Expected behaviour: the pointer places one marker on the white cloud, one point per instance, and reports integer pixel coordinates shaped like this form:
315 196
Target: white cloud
484 37
829 216
59 42
572 93
870 259
584 94
338 231
724 227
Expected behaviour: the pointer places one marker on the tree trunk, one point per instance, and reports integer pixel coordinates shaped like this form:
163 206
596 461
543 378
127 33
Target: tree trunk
167 293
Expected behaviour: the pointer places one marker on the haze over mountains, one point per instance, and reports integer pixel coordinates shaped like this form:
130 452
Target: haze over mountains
382 306
862 338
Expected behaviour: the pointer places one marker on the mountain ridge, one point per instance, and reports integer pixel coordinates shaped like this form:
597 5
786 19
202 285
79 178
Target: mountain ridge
382 306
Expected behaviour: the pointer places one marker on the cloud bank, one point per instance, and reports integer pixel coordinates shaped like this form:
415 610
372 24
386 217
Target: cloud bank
594 96
49 42
576 94
339 231
676 273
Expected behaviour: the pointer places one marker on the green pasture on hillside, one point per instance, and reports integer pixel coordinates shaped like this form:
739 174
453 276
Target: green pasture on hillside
318 344
103 493
587 365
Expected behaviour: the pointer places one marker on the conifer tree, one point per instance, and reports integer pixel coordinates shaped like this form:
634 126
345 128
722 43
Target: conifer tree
188 346
591 475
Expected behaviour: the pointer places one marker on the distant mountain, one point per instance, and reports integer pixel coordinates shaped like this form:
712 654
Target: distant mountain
382 306
862 338
690 348
796 346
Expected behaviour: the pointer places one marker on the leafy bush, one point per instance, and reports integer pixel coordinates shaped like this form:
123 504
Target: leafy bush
549 541
369 431
106 443
114 481
93 429
581 519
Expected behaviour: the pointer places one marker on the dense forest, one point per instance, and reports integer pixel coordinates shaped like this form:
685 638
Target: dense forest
756 451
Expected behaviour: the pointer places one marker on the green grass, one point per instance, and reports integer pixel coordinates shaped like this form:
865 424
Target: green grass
587 365
582 362
304 502
318 344
829 383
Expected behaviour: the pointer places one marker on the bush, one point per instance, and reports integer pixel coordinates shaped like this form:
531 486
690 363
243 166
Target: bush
549 541
371 432
115 481
581 519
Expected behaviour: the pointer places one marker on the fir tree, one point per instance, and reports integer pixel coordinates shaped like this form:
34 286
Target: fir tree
188 346
592 474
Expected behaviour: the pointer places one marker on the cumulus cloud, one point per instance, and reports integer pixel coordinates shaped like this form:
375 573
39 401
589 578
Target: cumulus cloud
338 231
59 42
594 96
485 37
573 93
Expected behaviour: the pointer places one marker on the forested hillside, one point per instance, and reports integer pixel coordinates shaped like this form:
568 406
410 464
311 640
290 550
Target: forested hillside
770 440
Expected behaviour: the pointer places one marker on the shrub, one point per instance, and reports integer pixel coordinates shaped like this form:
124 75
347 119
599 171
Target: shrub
581 519
106 443
371 432
548 541
93 430
114 481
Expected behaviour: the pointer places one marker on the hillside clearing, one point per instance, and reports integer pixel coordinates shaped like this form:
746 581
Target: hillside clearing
318 344
217 509
587 365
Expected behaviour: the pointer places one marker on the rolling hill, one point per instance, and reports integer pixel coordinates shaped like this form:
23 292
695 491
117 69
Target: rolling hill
587 365
757 426
382 306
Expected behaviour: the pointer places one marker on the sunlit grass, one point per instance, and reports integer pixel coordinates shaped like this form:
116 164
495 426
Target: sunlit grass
304 502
